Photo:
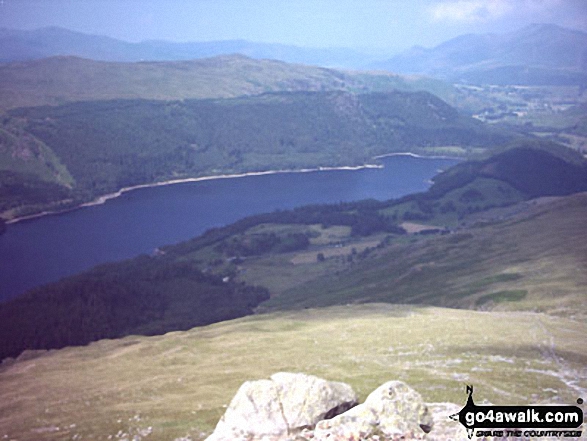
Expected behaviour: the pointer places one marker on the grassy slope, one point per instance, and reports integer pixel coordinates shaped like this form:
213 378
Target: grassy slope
20 152
58 80
179 383
466 269
536 261
30 171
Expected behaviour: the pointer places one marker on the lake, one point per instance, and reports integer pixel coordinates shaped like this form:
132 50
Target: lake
45 249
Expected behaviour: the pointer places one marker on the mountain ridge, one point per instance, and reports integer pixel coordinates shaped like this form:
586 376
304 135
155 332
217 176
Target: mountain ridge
60 79
19 45
551 55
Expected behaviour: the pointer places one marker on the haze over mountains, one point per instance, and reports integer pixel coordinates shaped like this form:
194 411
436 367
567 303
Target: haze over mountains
537 54
18 45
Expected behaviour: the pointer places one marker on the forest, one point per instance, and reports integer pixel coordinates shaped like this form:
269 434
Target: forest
144 295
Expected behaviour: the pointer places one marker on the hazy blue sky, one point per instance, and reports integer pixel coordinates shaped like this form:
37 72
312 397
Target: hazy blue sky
394 24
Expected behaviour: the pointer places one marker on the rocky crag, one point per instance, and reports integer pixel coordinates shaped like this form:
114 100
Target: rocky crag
299 407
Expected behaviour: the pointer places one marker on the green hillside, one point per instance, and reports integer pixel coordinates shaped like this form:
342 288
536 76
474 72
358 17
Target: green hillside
102 146
20 152
179 384
30 172
533 260
58 80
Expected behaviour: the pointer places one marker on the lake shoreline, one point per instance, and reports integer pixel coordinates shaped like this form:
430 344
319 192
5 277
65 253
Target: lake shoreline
414 155
44 250
104 198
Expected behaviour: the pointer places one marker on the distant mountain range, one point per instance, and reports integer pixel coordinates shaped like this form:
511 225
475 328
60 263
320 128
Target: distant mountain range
538 54
19 45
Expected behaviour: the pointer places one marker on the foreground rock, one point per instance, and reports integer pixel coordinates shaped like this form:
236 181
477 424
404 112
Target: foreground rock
298 407
392 411
280 408
445 428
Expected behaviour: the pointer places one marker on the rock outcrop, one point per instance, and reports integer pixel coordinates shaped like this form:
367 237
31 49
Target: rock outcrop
445 428
281 407
298 407
392 411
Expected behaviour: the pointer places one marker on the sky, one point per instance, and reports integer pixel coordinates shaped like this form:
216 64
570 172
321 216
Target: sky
362 24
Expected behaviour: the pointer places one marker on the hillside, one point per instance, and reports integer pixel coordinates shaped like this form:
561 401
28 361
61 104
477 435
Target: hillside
141 296
532 260
21 45
539 54
178 384
485 248
30 172
58 80
132 142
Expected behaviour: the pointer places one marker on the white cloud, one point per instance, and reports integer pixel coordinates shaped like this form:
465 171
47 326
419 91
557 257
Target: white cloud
564 12
471 10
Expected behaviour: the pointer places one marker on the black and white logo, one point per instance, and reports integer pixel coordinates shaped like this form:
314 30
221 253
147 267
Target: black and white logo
484 420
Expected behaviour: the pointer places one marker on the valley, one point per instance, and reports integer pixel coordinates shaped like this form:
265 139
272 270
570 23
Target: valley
548 112
437 235
526 348
44 249
493 263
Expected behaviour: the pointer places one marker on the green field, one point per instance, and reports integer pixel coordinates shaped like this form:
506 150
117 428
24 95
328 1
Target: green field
178 384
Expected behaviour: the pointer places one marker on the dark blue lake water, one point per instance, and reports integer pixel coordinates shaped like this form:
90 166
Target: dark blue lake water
46 249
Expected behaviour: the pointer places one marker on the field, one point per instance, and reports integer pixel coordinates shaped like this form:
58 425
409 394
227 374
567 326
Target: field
551 112
177 385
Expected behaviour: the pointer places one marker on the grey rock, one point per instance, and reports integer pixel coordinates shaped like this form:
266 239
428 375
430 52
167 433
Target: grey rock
280 408
444 428
393 411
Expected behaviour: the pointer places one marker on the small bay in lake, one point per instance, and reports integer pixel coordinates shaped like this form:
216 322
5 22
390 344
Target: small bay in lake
37 251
